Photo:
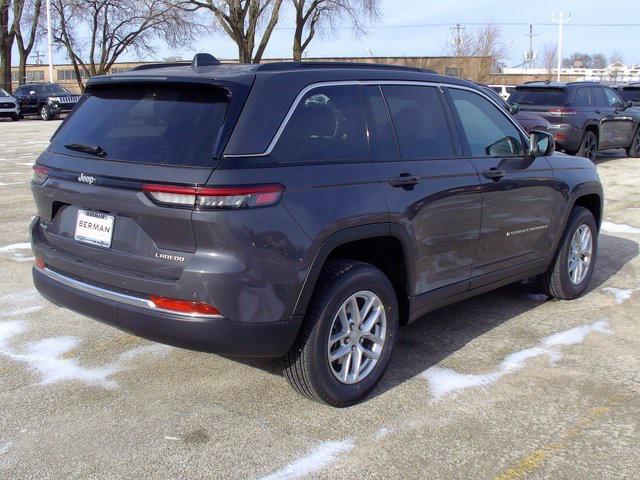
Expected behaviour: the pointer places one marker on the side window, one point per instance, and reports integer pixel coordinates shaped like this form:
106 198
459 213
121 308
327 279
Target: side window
381 142
612 99
582 98
420 121
327 125
597 97
488 131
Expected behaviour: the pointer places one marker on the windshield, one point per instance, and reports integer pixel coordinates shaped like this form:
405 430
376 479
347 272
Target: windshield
538 96
632 94
162 125
55 88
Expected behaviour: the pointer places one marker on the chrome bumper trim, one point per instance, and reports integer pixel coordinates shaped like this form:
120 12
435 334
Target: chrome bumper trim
113 296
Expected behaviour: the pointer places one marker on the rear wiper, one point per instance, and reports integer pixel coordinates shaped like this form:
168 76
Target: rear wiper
96 150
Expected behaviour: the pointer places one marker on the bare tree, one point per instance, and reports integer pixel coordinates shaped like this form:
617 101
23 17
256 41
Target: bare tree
10 13
115 27
313 15
616 57
598 60
30 21
550 59
485 43
242 20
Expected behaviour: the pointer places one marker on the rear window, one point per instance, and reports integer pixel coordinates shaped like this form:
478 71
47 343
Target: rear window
161 125
631 94
538 96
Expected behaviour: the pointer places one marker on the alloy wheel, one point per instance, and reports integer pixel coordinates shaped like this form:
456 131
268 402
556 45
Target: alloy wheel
356 337
44 114
590 148
580 254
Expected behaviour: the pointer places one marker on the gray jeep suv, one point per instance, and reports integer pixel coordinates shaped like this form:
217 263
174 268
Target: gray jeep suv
300 210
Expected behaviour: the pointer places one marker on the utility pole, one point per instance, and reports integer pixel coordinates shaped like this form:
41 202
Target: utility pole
530 56
457 40
49 40
560 20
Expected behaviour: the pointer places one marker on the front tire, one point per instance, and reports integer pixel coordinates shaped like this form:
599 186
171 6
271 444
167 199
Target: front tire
45 113
16 117
589 146
633 150
349 332
572 267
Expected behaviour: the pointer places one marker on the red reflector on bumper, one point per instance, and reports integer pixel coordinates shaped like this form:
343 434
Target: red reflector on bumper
39 263
183 306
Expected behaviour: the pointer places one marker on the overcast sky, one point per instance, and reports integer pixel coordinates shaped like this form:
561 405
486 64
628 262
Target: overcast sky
406 27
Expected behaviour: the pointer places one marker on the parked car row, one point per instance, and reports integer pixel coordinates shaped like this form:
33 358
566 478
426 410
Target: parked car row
630 92
584 117
48 100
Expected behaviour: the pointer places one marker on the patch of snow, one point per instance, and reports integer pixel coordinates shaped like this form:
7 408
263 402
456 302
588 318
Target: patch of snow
47 358
2 184
20 296
322 456
173 439
383 432
4 447
14 247
538 297
621 295
619 228
443 381
21 311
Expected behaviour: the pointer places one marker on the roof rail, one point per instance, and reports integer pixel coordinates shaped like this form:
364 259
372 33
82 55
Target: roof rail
151 66
281 66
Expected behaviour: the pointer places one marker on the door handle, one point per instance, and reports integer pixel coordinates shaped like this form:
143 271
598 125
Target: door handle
405 180
597 111
494 174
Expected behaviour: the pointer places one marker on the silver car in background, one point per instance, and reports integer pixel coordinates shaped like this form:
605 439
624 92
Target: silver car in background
9 107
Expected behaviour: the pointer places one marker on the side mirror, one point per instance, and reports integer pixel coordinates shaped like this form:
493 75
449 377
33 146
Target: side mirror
627 104
514 108
541 144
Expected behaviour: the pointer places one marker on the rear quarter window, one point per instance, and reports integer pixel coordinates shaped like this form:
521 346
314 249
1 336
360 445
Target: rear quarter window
161 125
539 96
327 125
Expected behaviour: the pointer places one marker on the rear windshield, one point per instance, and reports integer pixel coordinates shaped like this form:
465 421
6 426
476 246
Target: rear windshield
631 94
162 125
538 96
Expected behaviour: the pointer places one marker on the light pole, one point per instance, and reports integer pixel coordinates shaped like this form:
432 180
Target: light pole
49 40
561 19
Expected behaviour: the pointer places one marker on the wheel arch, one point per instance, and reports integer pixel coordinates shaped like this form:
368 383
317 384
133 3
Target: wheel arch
383 245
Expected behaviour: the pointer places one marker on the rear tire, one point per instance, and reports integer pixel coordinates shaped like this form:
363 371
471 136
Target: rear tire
633 150
560 280
307 365
589 146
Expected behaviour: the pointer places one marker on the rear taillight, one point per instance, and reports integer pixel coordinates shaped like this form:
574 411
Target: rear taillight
183 306
39 263
562 111
215 197
40 174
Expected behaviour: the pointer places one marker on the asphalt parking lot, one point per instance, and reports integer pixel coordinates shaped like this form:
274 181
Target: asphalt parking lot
506 385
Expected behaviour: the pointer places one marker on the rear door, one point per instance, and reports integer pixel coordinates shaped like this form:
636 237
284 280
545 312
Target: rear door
432 193
620 122
519 199
92 206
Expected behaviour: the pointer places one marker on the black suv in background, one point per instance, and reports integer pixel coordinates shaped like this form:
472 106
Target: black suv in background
300 210
584 117
630 93
527 120
45 99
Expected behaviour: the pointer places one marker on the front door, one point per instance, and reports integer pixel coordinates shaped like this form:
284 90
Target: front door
519 198
620 122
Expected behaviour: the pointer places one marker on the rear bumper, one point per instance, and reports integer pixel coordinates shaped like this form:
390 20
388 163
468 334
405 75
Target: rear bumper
566 136
210 334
